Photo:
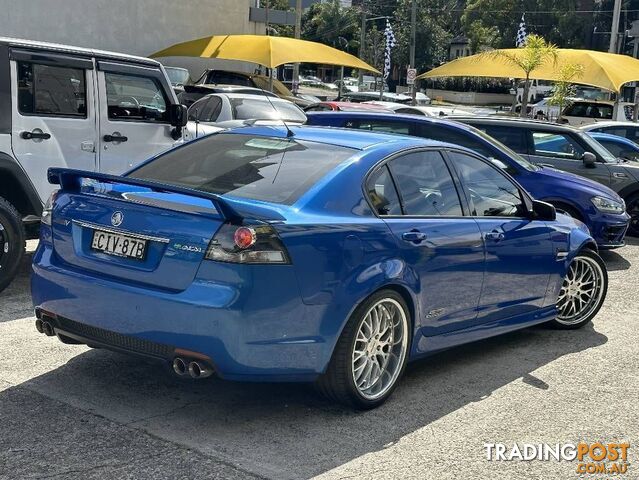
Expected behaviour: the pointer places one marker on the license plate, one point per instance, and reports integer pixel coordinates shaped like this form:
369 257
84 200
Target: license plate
118 245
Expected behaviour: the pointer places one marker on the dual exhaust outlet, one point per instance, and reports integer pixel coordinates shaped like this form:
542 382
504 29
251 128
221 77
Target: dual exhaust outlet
45 327
194 368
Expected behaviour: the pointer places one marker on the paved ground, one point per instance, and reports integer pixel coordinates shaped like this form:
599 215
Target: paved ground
72 412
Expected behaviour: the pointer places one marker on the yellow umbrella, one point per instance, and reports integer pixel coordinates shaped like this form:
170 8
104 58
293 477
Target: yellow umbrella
603 70
263 50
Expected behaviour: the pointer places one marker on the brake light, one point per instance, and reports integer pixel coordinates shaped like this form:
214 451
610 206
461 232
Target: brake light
48 208
254 243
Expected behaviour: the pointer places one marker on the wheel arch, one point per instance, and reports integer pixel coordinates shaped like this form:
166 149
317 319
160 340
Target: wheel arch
16 188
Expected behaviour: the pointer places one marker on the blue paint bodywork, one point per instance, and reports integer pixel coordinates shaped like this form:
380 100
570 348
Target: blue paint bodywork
547 184
281 322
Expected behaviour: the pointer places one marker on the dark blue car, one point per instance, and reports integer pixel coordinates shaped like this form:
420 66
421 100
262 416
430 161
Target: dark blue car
309 254
600 208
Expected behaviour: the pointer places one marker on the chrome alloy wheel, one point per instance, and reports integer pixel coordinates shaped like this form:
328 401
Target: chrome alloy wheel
581 291
380 348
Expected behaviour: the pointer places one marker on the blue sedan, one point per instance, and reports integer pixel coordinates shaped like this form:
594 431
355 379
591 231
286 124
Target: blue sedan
620 147
600 208
306 254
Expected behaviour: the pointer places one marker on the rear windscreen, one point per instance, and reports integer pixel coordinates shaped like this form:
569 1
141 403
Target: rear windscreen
270 169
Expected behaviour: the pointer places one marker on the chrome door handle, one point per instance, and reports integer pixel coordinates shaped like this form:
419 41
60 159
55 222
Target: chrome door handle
619 175
115 137
414 236
495 235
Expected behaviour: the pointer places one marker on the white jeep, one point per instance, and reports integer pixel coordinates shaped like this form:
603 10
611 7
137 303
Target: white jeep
63 106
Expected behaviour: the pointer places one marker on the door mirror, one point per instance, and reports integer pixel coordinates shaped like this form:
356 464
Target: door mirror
177 115
589 159
543 211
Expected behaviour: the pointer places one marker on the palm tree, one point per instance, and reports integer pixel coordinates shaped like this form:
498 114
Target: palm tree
535 53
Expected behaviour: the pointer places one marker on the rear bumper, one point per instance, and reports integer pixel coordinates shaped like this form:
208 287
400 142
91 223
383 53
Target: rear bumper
249 333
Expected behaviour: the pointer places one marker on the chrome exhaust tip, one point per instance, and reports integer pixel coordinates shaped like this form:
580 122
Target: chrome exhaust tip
179 366
47 329
199 370
38 325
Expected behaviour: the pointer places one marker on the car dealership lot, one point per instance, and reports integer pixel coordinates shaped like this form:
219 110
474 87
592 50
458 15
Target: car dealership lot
73 412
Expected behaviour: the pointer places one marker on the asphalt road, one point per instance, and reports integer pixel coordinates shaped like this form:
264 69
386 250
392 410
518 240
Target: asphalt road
73 412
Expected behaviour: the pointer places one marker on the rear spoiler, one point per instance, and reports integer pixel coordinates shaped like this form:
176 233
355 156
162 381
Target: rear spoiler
71 180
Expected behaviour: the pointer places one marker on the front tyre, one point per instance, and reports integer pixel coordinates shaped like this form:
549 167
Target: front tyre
371 354
11 242
583 291
632 207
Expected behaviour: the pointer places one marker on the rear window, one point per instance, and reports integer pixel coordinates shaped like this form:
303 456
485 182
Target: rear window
270 169
590 110
262 109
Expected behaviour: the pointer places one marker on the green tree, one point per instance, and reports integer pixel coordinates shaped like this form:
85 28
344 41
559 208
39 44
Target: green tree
331 24
480 36
564 88
535 53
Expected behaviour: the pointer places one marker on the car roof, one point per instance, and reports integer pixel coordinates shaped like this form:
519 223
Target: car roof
515 122
252 96
355 139
60 48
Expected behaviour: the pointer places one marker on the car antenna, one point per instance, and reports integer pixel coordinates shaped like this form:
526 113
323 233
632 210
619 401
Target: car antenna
197 123
289 132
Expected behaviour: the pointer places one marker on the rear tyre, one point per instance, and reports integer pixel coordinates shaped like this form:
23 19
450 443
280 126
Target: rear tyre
583 291
371 354
632 207
11 242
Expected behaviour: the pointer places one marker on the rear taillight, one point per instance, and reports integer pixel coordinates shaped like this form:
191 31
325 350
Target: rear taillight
248 243
48 208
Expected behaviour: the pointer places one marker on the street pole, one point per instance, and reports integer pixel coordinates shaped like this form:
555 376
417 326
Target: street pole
362 39
413 28
614 31
298 32
268 2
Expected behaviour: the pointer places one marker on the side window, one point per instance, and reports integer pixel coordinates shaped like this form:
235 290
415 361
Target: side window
491 193
449 135
557 145
425 185
216 106
382 194
133 97
51 90
612 147
619 131
511 137
410 111
381 126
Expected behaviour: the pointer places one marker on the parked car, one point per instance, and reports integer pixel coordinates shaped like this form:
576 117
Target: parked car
193 93
629 130
571 150
424 111
225 77
575 195
225 110
345 107
583 112
620 147
64 106
179 77
307 254
367 96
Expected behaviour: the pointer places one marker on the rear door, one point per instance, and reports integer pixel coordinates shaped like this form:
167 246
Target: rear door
54 114
563 151
440 245
134 118
519 251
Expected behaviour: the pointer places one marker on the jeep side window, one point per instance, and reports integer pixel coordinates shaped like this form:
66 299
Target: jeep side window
51 90
135 98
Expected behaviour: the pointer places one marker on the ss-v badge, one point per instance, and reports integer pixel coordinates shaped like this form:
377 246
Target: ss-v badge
435 313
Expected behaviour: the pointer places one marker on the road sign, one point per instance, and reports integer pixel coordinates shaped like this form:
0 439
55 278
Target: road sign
410 76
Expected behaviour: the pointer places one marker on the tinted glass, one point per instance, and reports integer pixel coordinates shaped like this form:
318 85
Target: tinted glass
51 90
452 136
387 126
262 109
229 78
382 193
557 145
200 109
262 168
425 185
595 147
590 110
491 193
132 97
515 138
612 147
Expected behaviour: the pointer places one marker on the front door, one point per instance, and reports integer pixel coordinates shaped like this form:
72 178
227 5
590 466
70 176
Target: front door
443 250
134 118
564 152
519 251
53 118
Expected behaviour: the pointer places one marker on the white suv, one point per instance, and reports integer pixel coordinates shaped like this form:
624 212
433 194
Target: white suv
63 106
